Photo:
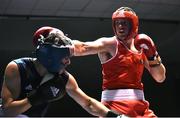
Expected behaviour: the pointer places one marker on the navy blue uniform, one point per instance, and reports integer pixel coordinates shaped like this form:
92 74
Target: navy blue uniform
30 79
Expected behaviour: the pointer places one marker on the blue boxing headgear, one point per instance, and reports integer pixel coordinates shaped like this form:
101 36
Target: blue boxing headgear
50 53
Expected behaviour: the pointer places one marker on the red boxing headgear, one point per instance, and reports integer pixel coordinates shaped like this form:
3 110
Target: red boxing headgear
44 31
129 14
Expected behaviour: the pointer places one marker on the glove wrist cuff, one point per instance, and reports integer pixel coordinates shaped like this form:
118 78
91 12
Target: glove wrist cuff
155 62
71 48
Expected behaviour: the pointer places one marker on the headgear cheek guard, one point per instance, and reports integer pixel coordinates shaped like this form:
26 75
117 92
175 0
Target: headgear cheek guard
51 56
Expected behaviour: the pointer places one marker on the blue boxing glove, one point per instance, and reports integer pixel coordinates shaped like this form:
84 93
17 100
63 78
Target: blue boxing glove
49 91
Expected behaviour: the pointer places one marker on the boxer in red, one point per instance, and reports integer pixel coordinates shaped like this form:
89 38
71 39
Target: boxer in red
124 57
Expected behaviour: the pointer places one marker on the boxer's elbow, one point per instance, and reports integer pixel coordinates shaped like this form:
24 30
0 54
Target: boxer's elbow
160 78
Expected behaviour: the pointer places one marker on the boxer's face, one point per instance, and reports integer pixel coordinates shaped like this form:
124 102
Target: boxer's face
122 27
66 61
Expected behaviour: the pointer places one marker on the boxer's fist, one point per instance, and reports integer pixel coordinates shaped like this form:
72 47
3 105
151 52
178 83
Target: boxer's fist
142 41
145 43
43 31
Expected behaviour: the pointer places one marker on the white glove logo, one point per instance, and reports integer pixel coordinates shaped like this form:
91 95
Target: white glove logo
144 46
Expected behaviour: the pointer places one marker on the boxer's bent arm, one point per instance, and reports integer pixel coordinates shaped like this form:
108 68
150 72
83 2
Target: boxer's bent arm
157 72
91 105
10 91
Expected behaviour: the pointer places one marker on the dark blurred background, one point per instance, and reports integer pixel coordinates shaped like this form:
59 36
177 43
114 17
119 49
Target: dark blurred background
88 20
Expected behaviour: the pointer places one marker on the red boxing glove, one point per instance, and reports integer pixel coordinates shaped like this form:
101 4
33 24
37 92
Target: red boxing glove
142 41
145 43
44 31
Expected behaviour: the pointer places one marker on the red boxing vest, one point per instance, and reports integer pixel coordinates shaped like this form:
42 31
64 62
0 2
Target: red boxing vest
124 70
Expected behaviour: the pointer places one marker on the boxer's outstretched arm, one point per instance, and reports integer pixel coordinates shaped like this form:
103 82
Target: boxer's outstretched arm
91 47
90 104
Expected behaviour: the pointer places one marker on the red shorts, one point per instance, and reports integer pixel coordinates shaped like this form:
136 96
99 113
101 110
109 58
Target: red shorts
132 108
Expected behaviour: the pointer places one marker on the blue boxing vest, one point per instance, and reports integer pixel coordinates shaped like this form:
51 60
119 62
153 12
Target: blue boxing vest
30 79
